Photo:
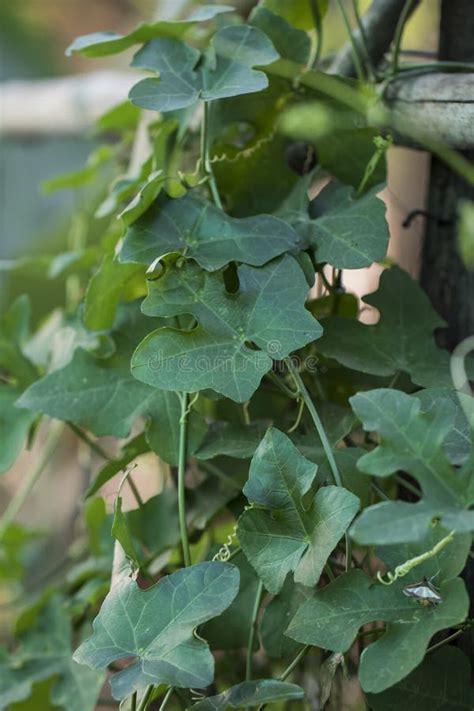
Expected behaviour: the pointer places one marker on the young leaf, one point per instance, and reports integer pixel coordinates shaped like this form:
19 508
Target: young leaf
157 627
289 535
346 231
100 44
205 233
250 693
105 291
402 340
267 311
227 71
45 652
440 682
289 42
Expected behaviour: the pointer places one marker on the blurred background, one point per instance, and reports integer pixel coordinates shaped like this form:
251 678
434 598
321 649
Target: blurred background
33 37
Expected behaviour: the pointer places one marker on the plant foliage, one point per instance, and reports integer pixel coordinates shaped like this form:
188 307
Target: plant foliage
311 466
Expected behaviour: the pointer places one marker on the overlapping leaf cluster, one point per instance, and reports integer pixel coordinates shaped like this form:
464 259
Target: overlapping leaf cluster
199 294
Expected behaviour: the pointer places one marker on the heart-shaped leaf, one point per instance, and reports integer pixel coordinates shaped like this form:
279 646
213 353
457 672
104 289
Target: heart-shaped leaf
157 627
205 233
402 340
226 71
289 535
237 334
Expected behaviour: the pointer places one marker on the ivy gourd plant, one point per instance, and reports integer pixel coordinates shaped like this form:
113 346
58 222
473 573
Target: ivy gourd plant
313 511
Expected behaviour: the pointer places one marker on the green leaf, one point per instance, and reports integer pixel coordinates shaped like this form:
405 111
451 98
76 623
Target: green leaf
440 683
121 532
290 43
106 290
162 433
15 424
297 13
346 231
251 693
162 640
231 440
332 618
226 71
45 652
85 175
411 441
402 340
231 629
205 233
267 311
17 545
100 44
276 618
291 534
345 154
129 452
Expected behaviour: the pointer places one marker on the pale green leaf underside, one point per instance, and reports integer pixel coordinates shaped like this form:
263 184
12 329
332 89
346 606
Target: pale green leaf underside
227 70
251 693
100 44
267 311
402 340
204 232
288 536
156 626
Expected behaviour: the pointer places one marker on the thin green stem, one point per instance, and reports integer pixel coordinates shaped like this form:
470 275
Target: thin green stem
205 157
408 485
181 484
90 443
355 49
380 492
135 491
133 702
318 26
283 387
252 631
166 698
146 698
324 441
449 639
363 39
292 666
402 20
28 483
317 421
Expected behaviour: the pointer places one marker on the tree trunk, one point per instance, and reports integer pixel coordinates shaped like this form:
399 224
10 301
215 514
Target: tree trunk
444 277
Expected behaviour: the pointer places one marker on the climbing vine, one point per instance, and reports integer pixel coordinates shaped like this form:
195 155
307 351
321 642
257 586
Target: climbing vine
312 481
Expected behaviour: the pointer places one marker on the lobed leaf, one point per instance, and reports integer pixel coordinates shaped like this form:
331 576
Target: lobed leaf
156 626
290 535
